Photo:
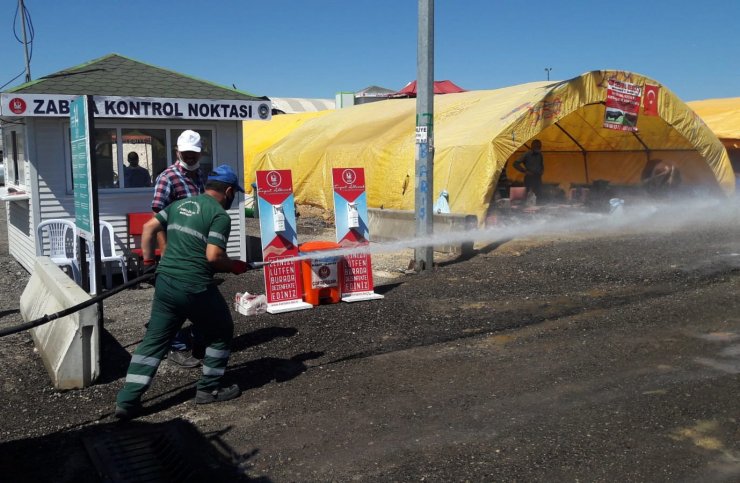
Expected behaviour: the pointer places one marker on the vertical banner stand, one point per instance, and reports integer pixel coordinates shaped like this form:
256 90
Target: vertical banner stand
279 241
350 218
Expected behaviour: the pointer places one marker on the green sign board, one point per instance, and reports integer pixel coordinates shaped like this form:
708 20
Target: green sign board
81 166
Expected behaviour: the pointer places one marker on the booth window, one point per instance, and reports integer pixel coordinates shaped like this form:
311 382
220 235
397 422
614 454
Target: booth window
147 148
106 158
15 157
118 149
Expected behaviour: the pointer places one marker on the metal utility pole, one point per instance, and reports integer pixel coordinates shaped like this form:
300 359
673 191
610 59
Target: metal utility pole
22 10
424 257
548 69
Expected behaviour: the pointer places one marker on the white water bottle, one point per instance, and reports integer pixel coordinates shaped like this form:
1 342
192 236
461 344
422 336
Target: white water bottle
278 218
353 216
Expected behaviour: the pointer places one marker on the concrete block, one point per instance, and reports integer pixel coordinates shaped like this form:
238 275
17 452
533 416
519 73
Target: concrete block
69 345
401 225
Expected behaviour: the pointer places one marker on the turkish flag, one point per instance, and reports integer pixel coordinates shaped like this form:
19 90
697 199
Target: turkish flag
650 100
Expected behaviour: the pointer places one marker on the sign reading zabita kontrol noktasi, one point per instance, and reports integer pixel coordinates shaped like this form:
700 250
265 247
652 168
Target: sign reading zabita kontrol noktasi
57 105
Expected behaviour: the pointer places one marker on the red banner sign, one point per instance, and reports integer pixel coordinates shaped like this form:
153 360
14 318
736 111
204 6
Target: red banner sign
351 221
358 274
622 105
275 186
279 241
283 282
349 183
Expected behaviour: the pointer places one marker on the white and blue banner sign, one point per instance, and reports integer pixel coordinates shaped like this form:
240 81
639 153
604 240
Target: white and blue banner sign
56 105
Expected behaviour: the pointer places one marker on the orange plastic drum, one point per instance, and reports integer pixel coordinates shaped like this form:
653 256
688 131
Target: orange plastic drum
321 276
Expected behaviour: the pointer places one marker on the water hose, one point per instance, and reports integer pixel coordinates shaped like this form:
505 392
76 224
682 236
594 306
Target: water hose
75 308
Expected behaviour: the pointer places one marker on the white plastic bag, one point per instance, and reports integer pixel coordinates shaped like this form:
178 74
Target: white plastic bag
250 304
616 206
442 205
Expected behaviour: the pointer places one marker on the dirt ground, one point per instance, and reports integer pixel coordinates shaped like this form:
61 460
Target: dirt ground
560 358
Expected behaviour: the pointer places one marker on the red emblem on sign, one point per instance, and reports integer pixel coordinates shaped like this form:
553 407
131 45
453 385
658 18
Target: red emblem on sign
349 176
17 105
274 179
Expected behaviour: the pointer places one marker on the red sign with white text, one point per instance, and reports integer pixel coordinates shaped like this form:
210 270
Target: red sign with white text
351 221
275 186
283 282
622 105
349 183
358 274
279 240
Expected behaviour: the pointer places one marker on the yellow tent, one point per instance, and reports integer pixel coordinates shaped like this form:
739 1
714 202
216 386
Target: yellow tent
721 115
477 133
260 135
723 118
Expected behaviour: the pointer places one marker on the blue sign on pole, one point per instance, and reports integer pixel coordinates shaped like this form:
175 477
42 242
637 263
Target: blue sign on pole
81 166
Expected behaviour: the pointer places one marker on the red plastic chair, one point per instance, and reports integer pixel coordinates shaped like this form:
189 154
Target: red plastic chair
135 228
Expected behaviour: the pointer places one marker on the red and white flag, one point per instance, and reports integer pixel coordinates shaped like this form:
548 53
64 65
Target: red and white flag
650 100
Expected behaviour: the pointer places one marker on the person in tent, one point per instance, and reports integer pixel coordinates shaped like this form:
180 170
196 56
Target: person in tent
532 164
660 178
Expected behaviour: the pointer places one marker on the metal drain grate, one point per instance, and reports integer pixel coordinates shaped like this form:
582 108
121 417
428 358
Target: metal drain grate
139 452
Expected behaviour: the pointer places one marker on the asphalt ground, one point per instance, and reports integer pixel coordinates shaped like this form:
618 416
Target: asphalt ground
565 357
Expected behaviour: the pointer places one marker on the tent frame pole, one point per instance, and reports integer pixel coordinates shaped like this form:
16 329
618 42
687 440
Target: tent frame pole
647 149
583 150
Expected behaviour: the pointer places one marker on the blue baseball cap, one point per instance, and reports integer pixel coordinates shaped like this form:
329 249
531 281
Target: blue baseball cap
225 174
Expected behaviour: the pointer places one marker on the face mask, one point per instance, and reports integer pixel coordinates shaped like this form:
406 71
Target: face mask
189 167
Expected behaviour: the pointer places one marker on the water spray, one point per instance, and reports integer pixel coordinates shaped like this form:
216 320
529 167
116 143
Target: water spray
628 219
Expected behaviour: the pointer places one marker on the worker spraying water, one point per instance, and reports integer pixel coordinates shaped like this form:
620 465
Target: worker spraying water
197 231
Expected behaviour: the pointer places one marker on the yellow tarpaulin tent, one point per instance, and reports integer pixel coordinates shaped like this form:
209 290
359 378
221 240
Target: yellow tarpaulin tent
477 133
260 135
721 115
723 118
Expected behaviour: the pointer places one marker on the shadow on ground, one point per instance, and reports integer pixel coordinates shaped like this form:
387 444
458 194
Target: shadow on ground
263 371
114 359
172 451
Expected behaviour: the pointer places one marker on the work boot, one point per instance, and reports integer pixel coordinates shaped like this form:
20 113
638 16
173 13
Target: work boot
183 359
217 395
126 414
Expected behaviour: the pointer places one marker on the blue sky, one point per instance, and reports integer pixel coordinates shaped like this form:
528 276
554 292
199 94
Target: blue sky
315 48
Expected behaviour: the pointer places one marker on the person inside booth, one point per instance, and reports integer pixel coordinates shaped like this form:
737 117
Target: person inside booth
135 176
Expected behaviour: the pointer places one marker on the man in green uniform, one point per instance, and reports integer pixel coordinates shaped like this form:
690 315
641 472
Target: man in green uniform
197 230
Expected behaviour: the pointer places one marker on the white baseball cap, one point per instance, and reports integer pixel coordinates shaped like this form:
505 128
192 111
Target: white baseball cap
188 141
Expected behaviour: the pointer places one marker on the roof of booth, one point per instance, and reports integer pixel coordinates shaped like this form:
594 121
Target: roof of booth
116 75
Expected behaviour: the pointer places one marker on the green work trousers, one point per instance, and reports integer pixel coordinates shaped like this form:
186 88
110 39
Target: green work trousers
173 304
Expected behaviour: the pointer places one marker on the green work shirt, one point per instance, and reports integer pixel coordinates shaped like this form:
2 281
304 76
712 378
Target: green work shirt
191 224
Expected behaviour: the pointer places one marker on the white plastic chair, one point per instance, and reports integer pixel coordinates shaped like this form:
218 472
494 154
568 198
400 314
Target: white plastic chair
62 244
108 254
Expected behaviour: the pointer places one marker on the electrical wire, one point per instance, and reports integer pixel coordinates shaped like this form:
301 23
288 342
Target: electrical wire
75 308
11 80
30 33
